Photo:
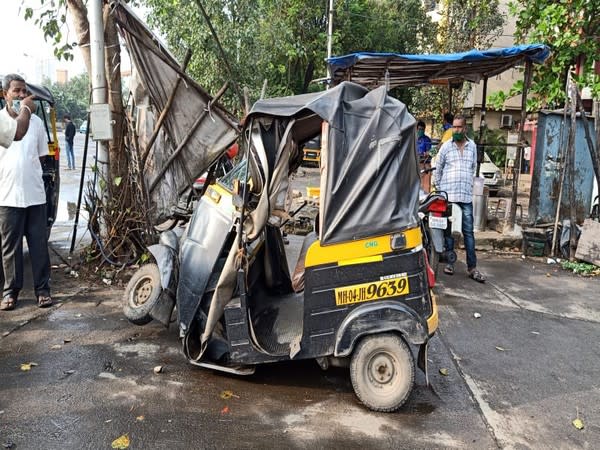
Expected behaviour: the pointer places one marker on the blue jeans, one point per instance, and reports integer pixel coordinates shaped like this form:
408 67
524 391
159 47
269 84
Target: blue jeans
70 155
467 231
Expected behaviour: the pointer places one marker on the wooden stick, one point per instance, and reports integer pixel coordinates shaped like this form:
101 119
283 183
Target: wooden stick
164 112
186 139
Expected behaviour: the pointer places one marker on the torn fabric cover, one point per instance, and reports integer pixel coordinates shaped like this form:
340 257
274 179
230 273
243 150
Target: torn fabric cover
371 179
196 130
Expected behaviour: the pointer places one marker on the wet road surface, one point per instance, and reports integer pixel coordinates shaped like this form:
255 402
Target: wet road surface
516 376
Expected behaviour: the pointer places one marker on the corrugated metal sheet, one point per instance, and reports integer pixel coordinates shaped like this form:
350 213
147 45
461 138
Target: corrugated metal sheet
545 183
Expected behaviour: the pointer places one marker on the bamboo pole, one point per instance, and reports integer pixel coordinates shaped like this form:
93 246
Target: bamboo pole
571 171
185 139
165 111
510 226
561 183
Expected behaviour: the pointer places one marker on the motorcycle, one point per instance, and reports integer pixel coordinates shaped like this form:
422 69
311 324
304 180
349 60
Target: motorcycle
435 211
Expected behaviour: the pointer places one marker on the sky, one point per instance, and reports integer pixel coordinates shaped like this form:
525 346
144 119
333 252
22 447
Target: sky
30 55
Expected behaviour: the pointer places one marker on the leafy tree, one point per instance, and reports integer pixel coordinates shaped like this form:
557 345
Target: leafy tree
464 25
469 24
284 42
71 97
571 29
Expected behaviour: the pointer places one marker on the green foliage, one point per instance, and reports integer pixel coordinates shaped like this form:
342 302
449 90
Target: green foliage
570 29
71 97
464 25
51 17
284 42
581 268
469 24
144 257
495 148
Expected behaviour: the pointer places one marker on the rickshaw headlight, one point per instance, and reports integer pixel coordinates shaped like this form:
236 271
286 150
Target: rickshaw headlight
398 241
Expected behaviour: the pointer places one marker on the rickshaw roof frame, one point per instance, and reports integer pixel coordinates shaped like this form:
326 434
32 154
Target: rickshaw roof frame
376 69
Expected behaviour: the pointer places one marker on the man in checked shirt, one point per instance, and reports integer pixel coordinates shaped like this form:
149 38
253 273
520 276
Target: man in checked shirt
455 168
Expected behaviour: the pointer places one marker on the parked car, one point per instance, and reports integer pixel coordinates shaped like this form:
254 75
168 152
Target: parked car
83 127
492 175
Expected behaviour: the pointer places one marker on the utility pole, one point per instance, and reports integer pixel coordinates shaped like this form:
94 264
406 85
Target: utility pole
100 120
329 41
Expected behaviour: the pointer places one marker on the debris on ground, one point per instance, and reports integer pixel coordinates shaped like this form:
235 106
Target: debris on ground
121 443
578 423
581 268
25 367
226 395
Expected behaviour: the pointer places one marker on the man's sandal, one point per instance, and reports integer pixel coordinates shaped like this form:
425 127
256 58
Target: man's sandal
44 301
7 304
476 275
449 269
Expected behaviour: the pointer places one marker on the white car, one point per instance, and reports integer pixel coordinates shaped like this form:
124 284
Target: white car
492 175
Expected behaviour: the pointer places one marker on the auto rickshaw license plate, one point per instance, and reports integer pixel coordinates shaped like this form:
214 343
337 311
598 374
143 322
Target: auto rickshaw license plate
389 286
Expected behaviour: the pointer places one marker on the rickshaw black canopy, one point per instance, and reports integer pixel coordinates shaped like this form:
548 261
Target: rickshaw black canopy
41 93
370 180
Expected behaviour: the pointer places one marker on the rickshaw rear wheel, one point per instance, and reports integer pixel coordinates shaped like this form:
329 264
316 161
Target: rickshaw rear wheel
382 371
141 294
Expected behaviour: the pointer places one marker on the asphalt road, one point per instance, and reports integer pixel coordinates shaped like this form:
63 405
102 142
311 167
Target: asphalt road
517 376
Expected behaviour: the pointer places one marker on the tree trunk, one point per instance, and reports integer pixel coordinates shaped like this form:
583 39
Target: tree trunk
79 15
308 76
116 154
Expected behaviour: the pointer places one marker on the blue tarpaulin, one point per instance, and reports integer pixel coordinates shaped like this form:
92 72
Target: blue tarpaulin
373 69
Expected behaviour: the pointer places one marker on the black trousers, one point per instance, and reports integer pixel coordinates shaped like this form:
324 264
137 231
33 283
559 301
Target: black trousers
31 223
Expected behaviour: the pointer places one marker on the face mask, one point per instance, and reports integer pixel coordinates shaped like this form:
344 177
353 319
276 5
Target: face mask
420 133
457 137
16 105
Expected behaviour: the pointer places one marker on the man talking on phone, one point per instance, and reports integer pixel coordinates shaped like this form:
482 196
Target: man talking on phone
23 199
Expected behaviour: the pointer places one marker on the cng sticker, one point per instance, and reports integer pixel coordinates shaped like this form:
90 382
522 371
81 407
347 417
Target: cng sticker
371 244
364 292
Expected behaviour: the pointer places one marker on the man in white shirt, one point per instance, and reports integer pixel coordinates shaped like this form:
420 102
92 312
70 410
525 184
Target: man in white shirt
23 201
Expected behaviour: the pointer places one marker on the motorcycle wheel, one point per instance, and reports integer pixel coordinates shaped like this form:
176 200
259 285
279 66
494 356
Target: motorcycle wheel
141 294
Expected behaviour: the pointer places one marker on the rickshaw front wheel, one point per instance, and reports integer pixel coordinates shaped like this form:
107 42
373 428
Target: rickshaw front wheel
141 294
382 371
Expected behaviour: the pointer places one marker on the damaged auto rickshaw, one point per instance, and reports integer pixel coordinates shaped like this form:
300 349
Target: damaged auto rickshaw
366 295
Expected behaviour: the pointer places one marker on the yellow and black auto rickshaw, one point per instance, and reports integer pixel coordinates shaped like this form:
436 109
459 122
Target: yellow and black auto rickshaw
366 297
